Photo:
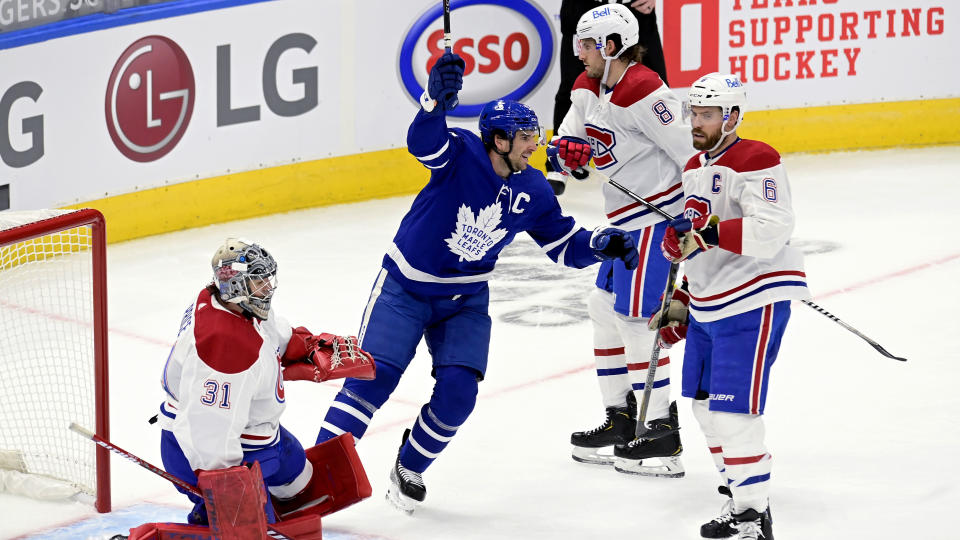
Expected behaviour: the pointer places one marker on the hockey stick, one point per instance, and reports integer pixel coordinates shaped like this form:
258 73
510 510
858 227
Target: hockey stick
583 173
448 39
153 468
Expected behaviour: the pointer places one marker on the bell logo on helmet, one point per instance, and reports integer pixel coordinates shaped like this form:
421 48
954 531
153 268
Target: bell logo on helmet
597 13
507 47
733 83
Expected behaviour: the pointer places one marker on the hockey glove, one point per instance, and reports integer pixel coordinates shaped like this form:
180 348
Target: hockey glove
685 238
674 327
568 153
327 357
613 243
446 79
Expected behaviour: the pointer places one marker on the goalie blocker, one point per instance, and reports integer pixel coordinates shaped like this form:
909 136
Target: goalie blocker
236 497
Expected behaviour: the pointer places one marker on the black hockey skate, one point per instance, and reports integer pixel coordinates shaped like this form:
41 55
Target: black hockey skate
754 525
617 429
666 449
661 427
406 489
722 526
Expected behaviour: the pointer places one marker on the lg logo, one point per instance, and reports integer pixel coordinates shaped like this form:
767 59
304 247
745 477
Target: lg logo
150 98
151 93
31 126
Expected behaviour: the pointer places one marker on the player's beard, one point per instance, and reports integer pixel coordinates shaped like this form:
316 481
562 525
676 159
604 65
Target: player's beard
709 141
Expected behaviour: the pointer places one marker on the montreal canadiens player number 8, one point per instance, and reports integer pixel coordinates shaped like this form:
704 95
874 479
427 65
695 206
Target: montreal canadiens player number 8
433 283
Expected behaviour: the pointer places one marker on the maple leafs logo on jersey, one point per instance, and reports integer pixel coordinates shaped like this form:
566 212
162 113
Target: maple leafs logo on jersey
475 235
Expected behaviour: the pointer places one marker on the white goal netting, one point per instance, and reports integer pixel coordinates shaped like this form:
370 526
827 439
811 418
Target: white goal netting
47 364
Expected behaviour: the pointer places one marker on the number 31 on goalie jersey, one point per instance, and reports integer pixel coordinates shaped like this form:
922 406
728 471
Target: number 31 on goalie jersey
212 389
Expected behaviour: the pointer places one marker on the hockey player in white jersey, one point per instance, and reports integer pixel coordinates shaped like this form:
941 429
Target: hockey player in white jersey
741 273
626 118
223 385
433 282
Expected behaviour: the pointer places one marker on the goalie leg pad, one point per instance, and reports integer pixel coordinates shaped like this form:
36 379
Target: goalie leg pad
235 499
338 481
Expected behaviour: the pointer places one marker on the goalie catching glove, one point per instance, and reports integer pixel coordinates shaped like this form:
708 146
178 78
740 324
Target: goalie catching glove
324 357
676 315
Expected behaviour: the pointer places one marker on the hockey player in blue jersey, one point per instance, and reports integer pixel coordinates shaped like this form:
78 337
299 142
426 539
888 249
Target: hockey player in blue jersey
433 283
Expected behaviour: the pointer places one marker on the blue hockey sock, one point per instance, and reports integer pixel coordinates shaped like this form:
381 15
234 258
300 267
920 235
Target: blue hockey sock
454 396
356 402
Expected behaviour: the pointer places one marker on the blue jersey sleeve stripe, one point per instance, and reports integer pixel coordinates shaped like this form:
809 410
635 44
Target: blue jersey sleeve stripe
440 166
436 154
551 246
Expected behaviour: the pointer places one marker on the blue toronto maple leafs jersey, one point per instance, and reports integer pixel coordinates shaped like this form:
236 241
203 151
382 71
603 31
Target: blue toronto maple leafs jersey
449 240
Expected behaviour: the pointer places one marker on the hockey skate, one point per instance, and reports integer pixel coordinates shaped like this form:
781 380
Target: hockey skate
753 525
617 429
666 450
661 427
722 526
406 490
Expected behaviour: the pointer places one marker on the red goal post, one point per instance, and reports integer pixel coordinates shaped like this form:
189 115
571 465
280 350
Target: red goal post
53 355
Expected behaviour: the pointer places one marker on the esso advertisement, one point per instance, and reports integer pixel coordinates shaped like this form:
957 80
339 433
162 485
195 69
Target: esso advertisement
507 46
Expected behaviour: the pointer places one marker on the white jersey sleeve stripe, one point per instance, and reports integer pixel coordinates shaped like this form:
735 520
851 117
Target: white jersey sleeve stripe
547 248
436 154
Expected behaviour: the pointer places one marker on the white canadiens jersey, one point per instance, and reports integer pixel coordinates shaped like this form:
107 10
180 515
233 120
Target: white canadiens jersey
223 384
638 137
746 187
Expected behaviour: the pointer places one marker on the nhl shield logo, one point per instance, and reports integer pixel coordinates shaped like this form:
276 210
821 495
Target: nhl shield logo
696 207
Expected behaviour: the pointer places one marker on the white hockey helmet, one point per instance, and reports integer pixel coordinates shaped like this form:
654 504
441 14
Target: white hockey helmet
600 23
246 275
722 90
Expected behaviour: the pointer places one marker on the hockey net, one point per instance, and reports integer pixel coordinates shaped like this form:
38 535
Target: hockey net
53 354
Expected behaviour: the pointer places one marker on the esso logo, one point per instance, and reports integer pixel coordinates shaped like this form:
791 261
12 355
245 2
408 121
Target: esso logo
507 46
150 98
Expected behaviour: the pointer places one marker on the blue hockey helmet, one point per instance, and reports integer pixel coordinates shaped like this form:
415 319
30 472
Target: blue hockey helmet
508 117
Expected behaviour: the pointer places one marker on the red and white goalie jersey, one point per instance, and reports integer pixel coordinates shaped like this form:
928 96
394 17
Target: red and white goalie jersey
223 384
638 137
746 187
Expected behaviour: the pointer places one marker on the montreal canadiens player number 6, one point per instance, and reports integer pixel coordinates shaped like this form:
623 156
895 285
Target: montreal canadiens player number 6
433 283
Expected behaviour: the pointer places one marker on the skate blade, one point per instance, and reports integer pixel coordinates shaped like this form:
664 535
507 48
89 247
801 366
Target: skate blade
400 501
592 456
669 467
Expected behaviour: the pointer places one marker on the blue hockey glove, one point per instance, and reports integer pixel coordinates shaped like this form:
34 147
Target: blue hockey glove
446 79
686 238
613 243
568 153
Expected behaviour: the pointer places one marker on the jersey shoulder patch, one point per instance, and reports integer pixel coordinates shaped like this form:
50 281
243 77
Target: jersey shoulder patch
693 162
586 83
748 155
637 83
226 342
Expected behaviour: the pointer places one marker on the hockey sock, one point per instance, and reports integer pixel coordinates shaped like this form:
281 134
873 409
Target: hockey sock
357 401
702 413
453 399
745 457
608 350
640 341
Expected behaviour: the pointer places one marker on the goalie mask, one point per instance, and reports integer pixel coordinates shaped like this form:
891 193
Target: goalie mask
246 275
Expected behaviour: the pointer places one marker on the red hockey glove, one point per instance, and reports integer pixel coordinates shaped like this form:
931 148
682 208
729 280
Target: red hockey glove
674 327
568 153
326 357
685 238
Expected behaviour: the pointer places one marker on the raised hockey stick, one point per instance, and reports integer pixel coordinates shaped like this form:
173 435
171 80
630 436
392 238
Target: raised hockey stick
448 38
584 172
273 533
